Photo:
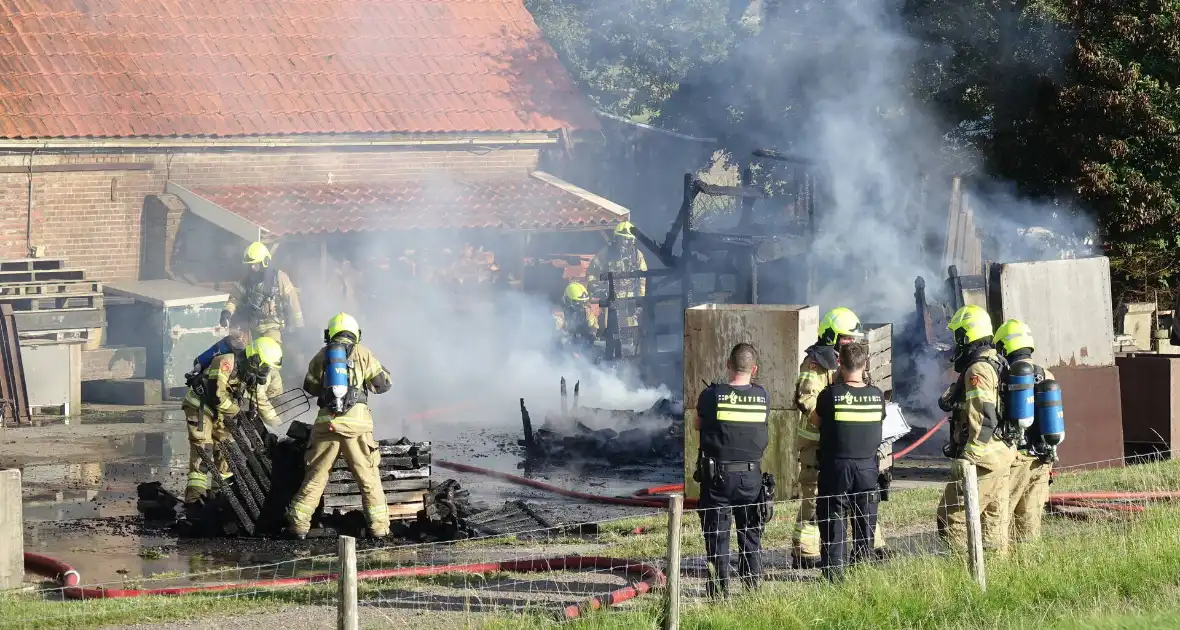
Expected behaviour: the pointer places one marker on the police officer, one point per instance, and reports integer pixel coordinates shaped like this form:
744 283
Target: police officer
973 401
1030 469
267 295
620 255
838 327
733 421
341 376
848 416
230 379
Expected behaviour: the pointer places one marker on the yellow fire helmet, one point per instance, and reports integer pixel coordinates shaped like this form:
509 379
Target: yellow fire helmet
1013 335
257 254
623 230
342 322
970 324
839 322
576 292
268 351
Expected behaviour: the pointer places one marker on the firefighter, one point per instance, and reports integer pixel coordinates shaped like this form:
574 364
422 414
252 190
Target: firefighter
230 381
733 421
620 255
267 295
838 327
973 402
848 416
341 376
577 320
1030 469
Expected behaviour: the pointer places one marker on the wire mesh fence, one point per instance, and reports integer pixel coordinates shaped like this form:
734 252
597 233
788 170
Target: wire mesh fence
561 573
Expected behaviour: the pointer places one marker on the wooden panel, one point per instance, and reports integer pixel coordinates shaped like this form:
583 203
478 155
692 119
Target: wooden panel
781 334
1079 327
779 459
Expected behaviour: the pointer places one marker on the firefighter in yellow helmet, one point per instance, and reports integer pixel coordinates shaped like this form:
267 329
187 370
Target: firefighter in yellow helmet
973 401
620 255
235 378
265 299
839 326
1030 469
577 320
341 376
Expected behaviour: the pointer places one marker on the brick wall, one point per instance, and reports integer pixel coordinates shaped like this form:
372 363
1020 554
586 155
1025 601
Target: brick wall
94 218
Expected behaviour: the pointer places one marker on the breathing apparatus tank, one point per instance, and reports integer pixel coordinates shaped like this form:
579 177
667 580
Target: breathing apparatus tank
336 385
1050 417
1019 398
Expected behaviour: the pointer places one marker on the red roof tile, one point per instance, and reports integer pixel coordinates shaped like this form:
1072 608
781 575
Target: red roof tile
524 203
77 68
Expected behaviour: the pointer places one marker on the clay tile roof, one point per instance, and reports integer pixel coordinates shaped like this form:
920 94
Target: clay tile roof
515 204
96 68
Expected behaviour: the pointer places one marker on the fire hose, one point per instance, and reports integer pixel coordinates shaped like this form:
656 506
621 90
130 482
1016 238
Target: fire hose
679 487
647 576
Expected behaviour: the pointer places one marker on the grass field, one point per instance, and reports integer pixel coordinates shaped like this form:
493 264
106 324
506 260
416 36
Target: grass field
1115 572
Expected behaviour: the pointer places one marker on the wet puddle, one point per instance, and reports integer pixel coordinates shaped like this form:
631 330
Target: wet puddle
85 514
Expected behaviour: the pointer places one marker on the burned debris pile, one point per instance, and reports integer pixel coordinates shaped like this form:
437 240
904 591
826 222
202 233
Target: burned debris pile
267 471
608 436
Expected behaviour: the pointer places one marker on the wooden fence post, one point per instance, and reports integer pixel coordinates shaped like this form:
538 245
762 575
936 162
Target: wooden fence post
672 586
974 528
346 606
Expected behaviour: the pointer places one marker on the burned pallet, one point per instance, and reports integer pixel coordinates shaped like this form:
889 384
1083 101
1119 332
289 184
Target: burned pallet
405 477
389 473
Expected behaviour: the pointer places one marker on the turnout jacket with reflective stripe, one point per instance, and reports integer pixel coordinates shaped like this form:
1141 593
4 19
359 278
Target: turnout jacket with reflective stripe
850 420
817 371
734 422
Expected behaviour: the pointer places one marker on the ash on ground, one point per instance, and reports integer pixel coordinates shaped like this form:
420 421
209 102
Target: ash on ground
593 436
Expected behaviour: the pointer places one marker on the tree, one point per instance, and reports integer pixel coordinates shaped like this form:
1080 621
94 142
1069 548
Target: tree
1117 118
629 56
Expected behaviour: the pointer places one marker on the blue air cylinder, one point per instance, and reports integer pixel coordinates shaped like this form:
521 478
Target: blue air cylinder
1050 422
224 346
336 375
1020 402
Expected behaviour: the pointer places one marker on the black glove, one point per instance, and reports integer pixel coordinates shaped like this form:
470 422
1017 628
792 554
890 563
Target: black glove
225 315
947 401
883 480
950 451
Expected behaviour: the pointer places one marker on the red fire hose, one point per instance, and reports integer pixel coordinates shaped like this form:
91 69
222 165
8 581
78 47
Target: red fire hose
679 487
649 577
918 442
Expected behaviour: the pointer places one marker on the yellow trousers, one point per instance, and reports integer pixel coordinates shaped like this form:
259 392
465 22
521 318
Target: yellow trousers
806 536
994 495
363 458
209 431
1028 496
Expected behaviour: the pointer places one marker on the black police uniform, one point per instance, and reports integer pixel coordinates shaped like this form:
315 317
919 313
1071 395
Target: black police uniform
734 434
851 417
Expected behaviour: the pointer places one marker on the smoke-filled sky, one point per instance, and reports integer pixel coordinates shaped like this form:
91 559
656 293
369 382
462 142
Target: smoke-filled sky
445 347
832 81
836 90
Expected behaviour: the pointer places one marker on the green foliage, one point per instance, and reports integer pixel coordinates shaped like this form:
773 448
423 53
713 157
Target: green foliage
629 56
1117 119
